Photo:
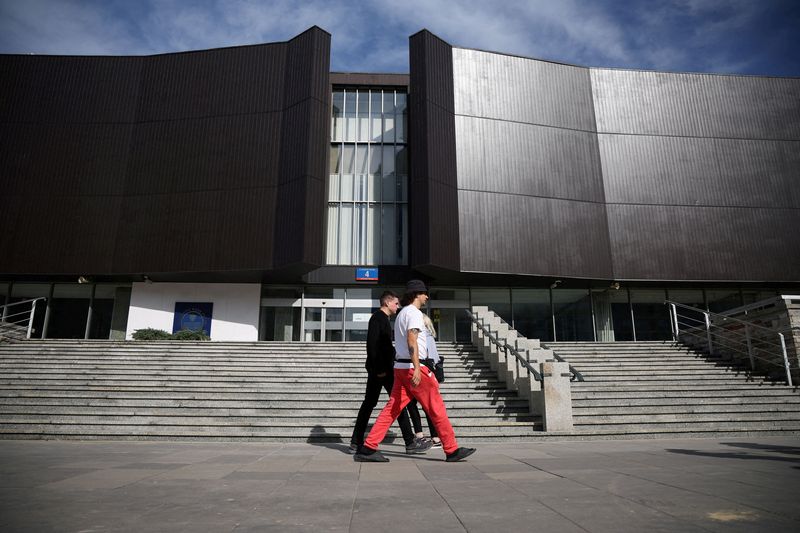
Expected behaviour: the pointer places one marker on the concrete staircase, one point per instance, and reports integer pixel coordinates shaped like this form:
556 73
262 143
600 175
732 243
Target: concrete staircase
662 389
224 391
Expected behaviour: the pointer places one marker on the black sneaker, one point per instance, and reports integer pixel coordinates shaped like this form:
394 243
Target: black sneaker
353 448
418 446
460 454
365 455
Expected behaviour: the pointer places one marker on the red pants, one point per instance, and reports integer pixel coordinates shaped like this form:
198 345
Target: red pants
427 394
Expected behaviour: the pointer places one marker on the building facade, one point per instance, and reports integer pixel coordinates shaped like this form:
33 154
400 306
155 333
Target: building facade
281 198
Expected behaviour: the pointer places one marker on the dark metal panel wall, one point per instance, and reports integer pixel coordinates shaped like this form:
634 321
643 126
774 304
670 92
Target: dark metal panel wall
213 83
701 171
517 158
173 163
696 105
652 242
64 144
701 175
517 234
518 89
433 194
530 183
303 171
66 97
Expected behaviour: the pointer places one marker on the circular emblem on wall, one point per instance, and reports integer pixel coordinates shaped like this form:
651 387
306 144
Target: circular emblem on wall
192 319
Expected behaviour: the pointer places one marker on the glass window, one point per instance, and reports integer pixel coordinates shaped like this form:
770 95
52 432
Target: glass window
498 300
333 324
350 116
279 324
389 188
374 232
346 235
361 182
332 242
388 117
752 296
337 118
284 293
361 159
348 157
532 313
621 315
401 116
720 300
357 323
375 159
650 315
69 310
692 298
363 116
439 294
572 312
376 112
5 292
389 254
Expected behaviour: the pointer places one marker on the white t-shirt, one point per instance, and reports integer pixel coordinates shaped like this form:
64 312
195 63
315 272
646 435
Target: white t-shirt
408 318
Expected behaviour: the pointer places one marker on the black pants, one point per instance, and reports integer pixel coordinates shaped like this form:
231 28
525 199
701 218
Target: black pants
373 392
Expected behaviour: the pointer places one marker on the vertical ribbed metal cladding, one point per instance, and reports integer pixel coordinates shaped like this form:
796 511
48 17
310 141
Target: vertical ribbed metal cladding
707 163
696 105
78 90
300 204
528 168
213 83
517 234
165 163
66 126
704 243
433 194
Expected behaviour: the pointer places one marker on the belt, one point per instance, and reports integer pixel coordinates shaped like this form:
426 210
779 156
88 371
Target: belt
410 361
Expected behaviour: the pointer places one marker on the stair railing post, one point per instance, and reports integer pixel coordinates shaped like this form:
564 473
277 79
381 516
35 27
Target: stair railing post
30 318
749 348
708 333
785 360
674 322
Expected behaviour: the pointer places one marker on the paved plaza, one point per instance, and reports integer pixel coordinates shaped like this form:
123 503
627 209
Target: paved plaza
721 484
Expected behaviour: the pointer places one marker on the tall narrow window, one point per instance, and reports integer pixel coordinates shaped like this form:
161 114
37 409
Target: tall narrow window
367 207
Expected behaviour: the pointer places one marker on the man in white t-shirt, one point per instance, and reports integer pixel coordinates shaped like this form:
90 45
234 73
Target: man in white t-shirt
412 379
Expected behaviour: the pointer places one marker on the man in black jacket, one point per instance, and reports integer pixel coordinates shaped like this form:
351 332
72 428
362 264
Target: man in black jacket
380 375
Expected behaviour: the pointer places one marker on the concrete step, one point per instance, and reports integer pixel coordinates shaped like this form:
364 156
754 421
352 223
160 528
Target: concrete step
685 409
756 402
328 432
774 416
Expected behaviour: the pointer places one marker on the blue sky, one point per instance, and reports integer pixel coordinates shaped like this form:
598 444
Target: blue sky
725 36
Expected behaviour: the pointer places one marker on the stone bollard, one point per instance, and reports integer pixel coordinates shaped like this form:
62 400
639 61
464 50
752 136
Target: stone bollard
557 397
479 312
509 368
495 354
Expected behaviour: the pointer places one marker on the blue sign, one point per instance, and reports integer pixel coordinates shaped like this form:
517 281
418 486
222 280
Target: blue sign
367 274
194 316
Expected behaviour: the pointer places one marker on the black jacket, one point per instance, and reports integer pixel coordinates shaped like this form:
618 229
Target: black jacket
380 350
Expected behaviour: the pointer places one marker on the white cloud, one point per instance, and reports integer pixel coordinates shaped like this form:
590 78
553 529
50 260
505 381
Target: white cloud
372 35
63 27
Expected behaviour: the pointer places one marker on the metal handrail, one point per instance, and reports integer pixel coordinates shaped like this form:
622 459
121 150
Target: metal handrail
7 324
507 348
739 342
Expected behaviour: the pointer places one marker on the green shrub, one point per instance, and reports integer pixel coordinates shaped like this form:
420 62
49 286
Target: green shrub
188 335
151 334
